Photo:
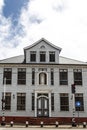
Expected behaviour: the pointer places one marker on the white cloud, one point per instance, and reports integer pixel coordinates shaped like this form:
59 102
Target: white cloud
1 5
62 22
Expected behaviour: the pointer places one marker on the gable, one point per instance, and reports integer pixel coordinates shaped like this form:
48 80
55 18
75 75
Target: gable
42 42
44 47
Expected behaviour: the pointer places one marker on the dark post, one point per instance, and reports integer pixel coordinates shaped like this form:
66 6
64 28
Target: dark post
3 123
11 123
56 123
26 123
41 123
84 124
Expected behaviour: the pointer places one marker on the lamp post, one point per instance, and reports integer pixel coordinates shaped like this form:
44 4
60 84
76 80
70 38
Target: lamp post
73 90
3 105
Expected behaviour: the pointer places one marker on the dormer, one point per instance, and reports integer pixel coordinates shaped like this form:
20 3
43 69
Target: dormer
42 51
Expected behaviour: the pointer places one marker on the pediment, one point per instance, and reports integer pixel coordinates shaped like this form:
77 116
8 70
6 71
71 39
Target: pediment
42 44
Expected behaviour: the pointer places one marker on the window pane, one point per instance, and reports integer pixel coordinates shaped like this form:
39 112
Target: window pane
21 76
33 56
77 77
7 101
79 98
33 76
7 75
52 101
52 56
52 77
33 101
42 56
63 77
21 100
64 102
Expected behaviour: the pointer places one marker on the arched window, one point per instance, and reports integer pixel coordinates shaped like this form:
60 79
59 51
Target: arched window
43 78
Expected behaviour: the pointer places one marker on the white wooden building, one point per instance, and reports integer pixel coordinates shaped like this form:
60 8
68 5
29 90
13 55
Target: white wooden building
38 84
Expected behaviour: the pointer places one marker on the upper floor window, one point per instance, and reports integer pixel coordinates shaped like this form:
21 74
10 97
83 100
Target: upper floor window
33 56
33 76
21 101
7 76
52 56
63 75
78 76
43 78
52 77
79 98
42 56
21 76
64 102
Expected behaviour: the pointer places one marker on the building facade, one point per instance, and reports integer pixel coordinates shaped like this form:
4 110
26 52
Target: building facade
38 85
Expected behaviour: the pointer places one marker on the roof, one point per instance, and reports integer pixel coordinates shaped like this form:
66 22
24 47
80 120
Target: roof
62 60
43 39
16 59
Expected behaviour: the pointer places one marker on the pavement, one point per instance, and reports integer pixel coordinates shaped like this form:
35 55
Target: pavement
61 127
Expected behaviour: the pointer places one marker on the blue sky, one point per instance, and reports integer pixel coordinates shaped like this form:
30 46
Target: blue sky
12 9
62 22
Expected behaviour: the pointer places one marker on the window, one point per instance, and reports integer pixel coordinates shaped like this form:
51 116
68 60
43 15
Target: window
7 101
33 101
52 56
42 56
52 77
43 78
33 76
63 75
21 76
52 101
64 102
21 101
78 76
7 75
33 56
79 98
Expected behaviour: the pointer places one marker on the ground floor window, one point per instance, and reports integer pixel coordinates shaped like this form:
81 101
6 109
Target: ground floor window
64 102
52 101
21 101
79 99
7 101
33 101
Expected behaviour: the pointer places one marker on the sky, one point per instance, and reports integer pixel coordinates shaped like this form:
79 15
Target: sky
61 22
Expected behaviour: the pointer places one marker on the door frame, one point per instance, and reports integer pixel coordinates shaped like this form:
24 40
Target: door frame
43 110
49 97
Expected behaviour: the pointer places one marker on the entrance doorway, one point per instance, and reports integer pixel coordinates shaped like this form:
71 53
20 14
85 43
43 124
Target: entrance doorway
42 106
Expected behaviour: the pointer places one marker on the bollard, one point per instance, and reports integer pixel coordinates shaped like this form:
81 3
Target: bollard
84 124
41 123
26 123
11 123
56 123
73 122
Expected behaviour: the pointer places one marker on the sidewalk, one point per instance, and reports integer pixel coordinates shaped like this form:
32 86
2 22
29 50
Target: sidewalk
44 126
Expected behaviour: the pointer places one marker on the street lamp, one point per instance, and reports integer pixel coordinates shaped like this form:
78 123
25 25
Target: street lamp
3 105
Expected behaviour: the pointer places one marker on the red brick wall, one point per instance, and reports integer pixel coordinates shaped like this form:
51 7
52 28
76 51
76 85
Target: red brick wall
36 121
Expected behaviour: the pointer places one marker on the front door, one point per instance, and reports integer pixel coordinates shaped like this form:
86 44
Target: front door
42 107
